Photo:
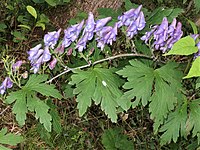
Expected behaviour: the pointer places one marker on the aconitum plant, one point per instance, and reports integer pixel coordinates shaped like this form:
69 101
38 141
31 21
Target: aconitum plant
164 35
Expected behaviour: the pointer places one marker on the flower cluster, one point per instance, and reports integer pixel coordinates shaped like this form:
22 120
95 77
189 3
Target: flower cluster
38 56
106 36
164 36
134 20
6 84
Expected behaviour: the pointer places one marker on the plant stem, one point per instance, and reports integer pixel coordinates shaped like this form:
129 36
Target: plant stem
67 69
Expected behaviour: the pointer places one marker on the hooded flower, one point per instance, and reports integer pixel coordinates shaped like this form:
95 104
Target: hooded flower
101 23
106 36
134 20
40 56
164 35
89 26
51 38
7 83
72 33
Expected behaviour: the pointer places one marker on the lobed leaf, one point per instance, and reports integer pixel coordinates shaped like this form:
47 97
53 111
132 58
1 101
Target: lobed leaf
9 139
99 85
174 125
193 122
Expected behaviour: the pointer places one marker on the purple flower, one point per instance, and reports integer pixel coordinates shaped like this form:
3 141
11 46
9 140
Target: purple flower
134 20
106 36
88 33
51 38
7 83
89 26
33 51
101 23
81 44
46 55
16 65
40 56
52 64
164 35
72 33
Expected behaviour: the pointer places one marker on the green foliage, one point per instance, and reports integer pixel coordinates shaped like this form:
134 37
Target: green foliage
184 46
32 11
56 2
193 122
195 69
175 125
113 139
26 99
197 5
157 15
9 139
160 85
99 85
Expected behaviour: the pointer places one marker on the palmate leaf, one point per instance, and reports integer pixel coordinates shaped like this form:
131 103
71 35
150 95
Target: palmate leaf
174 125
10 139
99 85
160 87
26 99
193 122
140 80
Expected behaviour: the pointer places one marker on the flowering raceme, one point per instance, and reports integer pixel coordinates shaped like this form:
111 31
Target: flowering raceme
164 36
134 20
38 56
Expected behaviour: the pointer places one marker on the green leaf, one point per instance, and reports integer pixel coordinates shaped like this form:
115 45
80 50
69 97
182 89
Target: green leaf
138 75
99 85
113 139
174 125
41 110
194 27
197 5
158 14
40 24
26 99
24 26
167 89
52 2
56 121
195 69
184 46
19 107
197 83
161 87
10 139
32 11
193 122
35 84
